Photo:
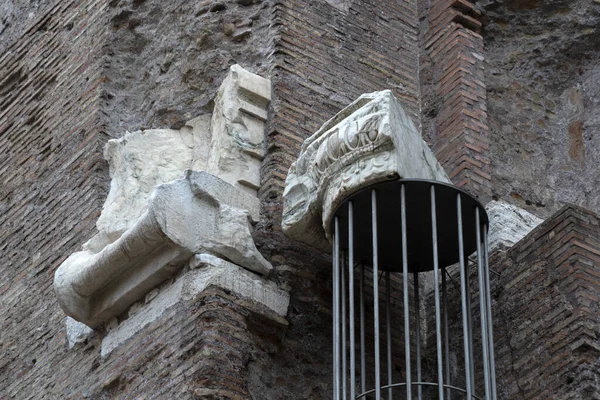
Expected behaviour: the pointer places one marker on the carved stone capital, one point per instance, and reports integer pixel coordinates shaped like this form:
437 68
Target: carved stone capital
371 140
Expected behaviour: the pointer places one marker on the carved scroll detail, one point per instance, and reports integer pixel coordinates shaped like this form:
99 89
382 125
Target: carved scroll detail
371 140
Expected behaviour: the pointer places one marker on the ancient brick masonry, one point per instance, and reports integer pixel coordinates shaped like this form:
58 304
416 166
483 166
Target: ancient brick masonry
64 72
546 310
453 59
323 60
52 173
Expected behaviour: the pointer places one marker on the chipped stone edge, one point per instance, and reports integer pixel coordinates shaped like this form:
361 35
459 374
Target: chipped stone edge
77 332
206 270
508 224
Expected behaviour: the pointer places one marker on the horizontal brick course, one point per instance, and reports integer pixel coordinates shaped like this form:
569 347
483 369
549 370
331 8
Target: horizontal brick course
546 308
451 43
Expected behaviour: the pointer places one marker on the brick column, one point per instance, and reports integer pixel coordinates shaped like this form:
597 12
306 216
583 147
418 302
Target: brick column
453 53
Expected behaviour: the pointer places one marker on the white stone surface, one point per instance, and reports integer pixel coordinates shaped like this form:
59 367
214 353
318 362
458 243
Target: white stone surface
202 213
371 140
77 332
238 125
229 143
138 162
508 224
196 214
153 219
208 270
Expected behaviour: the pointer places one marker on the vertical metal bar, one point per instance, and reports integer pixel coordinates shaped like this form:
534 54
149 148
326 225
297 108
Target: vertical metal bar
375 293
363 373
463 293
405 289
351 299
388 330
482 307
446 334
418 334
336 316
344 353
436 284
470 324
490 326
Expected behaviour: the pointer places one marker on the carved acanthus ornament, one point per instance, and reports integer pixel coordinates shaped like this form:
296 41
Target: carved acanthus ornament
371 140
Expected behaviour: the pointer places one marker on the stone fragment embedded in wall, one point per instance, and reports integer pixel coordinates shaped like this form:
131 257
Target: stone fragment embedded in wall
371 140
152 221
229 143
197 214
237 145
77 332
139 161
508 224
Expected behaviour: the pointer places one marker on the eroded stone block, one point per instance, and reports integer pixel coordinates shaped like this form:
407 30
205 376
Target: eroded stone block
508 224
238 124
196 214
153 220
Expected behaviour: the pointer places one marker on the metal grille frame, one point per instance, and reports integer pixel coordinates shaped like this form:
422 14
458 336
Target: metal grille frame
408 227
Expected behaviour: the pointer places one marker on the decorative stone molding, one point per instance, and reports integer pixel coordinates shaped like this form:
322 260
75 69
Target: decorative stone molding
237 145
371 140
152 222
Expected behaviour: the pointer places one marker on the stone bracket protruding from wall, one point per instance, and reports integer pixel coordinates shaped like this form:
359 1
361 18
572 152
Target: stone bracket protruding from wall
153 220
197 214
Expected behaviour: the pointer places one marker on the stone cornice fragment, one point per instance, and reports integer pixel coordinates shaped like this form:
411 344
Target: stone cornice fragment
237 145
197 214
152 221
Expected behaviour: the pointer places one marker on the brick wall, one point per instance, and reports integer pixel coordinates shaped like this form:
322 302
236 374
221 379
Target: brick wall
454 98
323 58
546 310
51 189
53 96
52 130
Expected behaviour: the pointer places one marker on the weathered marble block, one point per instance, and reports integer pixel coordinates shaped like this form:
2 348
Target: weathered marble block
237 147
508 224
371 140
196 214
153 220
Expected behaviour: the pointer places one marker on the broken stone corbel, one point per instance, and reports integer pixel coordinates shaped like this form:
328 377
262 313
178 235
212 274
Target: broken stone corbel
371 140
197 214
152 221
237 149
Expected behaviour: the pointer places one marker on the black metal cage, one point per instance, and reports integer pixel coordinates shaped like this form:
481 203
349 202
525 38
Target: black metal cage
398 229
